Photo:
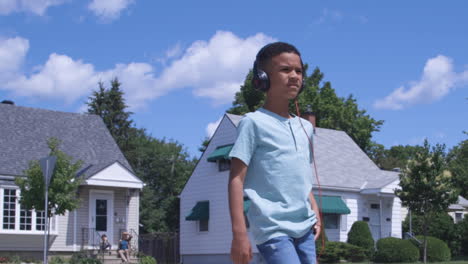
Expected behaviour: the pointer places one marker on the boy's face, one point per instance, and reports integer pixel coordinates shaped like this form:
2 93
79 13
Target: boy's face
285 73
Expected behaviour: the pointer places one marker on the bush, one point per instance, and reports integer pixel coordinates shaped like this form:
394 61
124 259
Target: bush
57 260
354 253
147 260
462 230
437 250
15 259
82 258
4 260
332 253
391 249
441 226
360 235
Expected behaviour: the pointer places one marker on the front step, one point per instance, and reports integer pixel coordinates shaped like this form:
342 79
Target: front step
114 258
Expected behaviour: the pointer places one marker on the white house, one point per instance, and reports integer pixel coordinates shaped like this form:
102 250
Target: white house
109 194
352 186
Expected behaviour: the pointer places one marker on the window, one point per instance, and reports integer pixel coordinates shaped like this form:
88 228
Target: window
332 221
203 225
40 220
16 218
224 165
458 217
25 219
9 208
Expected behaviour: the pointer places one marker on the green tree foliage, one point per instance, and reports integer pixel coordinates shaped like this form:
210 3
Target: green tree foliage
110 105
394 157
426 185
360 235
63 185
165 168
331 111
458 163
462 229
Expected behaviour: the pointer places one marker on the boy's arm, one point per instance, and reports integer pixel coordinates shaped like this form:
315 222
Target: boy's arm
241 250
318 224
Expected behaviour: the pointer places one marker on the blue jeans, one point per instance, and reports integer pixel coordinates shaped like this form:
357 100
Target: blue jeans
289 250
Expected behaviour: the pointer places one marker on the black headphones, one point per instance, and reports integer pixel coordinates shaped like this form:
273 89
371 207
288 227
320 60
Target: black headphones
260 79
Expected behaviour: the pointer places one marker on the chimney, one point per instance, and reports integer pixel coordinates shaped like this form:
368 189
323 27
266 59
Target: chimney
310 116
8 102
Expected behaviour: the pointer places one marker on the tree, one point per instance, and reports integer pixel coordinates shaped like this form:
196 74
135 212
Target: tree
164 166
110 105
63 187
426 185
204 144
394 157
63 184
331 111
458 163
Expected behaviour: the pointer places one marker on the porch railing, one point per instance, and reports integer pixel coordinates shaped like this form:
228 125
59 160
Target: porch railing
90 238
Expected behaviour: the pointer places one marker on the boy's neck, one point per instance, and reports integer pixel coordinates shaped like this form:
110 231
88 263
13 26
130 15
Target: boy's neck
279 108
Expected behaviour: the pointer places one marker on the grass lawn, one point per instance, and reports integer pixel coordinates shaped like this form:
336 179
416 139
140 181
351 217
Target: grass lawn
445 262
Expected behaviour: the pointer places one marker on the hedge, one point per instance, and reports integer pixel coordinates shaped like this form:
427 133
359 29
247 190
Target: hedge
360 235
391 249
437 250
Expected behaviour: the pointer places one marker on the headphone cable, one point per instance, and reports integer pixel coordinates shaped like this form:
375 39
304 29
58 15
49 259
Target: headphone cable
322 223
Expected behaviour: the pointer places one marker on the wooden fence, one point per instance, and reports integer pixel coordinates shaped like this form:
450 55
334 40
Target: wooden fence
164 247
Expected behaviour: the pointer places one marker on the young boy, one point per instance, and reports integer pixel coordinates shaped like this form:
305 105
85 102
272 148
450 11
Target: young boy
105 245
271 163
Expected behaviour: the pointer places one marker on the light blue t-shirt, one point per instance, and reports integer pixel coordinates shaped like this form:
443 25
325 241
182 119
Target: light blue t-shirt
279 174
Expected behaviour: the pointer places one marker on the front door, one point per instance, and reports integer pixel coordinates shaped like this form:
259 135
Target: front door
374 220
101 210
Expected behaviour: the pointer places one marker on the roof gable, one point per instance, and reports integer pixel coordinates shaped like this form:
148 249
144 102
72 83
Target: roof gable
25 132
115 175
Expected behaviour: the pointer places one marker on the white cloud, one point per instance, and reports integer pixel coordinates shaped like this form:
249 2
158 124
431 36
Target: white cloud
437 80
211 127
214 69
109 9
61 77
12 53
37 7
329 15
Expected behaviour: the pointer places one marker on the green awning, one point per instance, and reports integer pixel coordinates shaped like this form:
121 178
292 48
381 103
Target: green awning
201 211
220 153
332 205
246 204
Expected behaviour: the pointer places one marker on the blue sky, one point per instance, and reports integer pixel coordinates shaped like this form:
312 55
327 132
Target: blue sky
181 62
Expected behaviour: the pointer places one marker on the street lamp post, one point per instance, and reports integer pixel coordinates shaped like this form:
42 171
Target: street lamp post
47 166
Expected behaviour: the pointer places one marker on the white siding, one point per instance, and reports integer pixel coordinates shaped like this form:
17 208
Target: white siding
206 183
134 211
397 219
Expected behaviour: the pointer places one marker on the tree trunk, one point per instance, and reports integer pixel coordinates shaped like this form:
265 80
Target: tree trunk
425 239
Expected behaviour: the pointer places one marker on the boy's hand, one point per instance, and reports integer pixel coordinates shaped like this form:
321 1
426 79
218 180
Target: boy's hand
317 228
241 250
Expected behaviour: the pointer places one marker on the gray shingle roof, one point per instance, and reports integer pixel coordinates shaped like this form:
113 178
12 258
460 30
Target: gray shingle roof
341 163
24 132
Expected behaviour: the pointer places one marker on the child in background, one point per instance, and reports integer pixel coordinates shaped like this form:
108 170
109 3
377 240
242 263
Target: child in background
105 245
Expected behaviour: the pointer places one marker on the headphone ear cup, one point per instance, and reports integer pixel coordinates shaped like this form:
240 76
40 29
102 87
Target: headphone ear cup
260 79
